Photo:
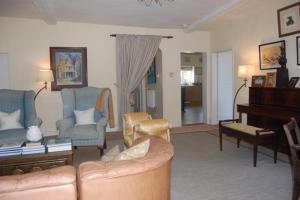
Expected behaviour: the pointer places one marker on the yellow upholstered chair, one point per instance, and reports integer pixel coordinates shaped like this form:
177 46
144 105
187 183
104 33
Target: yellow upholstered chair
158 127
129 121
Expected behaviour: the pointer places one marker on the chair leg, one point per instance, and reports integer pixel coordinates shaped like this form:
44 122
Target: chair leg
101 149
254 154
104 145
238 141
275 147
296 189
220 137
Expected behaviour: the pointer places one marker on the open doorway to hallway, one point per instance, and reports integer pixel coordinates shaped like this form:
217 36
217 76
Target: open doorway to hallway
191 74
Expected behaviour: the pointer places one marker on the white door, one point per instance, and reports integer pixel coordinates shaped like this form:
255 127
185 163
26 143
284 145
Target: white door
225 79
4 75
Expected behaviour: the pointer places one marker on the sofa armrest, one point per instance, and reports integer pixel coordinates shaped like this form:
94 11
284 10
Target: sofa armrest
48 178
63 125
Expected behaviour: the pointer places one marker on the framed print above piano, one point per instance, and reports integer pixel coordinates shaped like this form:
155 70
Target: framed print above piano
269 55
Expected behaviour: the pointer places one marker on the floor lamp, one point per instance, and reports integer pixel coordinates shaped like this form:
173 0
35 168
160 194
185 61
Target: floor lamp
244 73
44 75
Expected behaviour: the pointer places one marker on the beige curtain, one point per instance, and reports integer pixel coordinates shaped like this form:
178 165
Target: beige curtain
135 54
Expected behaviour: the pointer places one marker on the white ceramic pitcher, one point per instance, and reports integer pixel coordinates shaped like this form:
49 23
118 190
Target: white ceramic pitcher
33 134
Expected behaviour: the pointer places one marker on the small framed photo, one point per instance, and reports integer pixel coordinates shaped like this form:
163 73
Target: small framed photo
258 81
289 20
298 46
269 55
271 79
69 66
293 82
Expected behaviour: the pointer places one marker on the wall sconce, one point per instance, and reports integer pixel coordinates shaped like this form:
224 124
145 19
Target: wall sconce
244 72
44 75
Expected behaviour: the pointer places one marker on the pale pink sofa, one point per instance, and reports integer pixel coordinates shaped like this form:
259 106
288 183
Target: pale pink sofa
146 178
54 184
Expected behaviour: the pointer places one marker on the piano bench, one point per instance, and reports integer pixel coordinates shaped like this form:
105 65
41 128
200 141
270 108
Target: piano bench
250 134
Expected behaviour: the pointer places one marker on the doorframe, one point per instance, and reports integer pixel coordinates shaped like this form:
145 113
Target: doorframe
214 84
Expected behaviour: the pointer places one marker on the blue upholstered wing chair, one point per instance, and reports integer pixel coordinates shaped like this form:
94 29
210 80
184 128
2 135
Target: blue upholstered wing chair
12 100
83 135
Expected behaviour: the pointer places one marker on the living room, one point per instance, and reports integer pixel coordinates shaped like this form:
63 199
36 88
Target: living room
240 26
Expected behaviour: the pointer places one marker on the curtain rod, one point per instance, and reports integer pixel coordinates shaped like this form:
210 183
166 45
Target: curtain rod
168 37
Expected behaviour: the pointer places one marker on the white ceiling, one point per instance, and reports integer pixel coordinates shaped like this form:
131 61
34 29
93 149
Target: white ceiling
185 14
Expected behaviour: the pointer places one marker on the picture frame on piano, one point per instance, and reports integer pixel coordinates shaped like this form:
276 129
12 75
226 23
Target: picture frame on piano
258 81
294 82
271 79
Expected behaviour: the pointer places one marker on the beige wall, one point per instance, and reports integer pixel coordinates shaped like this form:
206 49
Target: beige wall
244 33
27 43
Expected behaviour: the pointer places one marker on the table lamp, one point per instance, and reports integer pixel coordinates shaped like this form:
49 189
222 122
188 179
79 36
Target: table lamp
244 71
44 75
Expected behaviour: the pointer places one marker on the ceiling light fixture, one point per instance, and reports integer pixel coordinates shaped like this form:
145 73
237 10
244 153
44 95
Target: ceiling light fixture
148 2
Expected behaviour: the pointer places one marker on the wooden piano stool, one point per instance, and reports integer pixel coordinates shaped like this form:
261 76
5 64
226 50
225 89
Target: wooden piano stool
249 134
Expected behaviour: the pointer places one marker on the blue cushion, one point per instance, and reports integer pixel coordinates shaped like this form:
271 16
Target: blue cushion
12 136
83 132
12 100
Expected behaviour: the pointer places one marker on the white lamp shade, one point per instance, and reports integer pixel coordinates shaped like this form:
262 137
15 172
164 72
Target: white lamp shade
245 71
45 75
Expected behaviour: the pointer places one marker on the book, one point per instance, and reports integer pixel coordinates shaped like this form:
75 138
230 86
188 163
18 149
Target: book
59 148
27 152
13 153
11 145
59 142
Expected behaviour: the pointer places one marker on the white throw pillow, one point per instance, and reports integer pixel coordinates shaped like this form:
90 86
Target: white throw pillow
10 120
137 151
111 154
84 117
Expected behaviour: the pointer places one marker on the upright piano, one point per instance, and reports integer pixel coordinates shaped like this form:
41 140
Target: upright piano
271 108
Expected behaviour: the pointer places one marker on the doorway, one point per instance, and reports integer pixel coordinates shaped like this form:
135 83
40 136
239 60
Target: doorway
191 74
148 96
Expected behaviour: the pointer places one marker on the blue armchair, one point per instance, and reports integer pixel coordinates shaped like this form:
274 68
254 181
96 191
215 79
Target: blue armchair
12 100
83 135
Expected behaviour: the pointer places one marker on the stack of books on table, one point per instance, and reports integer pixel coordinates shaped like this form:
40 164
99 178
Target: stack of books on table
11 149
33 148
63 144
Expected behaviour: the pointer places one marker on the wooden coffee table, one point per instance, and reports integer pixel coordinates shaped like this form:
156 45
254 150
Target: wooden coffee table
35 162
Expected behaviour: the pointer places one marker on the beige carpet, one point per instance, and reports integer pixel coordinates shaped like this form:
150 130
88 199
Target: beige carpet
201 172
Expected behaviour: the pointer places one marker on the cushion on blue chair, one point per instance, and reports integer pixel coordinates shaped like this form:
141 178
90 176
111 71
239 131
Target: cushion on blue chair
12 136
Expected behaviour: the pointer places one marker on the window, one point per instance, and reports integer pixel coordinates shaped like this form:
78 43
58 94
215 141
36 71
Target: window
187 75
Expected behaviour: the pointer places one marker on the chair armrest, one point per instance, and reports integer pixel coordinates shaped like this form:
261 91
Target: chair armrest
62 125
100 127
47 178
296 146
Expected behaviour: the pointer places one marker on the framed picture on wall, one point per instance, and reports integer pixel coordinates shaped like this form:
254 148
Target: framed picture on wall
269 55
298 51
258 81
289 20
271 79
69 66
